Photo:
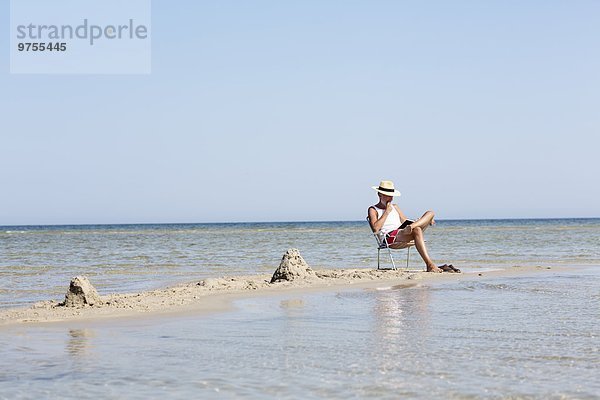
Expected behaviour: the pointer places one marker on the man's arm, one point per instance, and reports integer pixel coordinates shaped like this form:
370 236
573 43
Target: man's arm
376 222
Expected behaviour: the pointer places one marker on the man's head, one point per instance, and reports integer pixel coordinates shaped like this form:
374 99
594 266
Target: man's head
386 188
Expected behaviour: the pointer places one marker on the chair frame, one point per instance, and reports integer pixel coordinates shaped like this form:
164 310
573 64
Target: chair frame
382 244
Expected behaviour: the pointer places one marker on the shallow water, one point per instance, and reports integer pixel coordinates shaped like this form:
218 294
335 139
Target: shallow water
37 262
524 337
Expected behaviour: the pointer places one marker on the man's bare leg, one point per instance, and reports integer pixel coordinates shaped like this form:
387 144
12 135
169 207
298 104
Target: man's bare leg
417 233
423 223
418 237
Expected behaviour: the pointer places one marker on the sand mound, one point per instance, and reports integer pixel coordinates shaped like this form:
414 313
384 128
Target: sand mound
292 267
81 293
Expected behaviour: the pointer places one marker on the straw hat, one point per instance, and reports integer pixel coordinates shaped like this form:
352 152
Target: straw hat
387 188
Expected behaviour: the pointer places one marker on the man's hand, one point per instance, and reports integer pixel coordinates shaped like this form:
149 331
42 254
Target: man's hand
389 207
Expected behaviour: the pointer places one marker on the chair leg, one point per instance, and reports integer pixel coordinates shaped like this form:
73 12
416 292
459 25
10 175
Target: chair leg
378 251
392 259
407 257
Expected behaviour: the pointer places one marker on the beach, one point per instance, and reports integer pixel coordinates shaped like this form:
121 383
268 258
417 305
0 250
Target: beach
199 210
518 334
181 316
217 294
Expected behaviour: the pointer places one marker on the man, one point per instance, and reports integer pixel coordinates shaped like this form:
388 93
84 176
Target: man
399 230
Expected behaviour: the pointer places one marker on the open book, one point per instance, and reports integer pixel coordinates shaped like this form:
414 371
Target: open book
406 223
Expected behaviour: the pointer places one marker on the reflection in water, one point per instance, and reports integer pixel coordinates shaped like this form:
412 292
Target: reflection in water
402 326
402 310
78 344
288 305
294 311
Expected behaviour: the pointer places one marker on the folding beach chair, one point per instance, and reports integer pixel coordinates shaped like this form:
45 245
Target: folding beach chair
382 244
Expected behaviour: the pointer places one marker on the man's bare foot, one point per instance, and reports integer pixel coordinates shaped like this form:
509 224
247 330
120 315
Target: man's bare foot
433 268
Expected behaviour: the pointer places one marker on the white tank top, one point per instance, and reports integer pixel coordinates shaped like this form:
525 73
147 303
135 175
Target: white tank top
391 222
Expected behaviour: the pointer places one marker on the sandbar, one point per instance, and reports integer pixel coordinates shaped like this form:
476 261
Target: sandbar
217 294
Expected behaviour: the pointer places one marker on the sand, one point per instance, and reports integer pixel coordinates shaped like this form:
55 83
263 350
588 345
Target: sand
217 294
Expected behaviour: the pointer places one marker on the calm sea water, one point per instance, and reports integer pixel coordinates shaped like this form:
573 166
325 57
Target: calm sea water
37 262
521 337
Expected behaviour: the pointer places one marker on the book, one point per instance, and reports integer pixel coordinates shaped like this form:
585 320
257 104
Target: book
406 223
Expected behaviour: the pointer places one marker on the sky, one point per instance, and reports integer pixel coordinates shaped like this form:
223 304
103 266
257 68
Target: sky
291 110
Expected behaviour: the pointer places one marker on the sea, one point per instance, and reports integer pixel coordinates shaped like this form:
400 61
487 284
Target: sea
531 336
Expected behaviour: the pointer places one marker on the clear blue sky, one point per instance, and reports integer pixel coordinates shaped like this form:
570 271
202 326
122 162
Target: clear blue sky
291 110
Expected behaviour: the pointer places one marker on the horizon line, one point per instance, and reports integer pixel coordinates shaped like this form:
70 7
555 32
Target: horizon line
289 222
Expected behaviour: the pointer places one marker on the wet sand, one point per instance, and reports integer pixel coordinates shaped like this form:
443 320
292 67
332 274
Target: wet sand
217 294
